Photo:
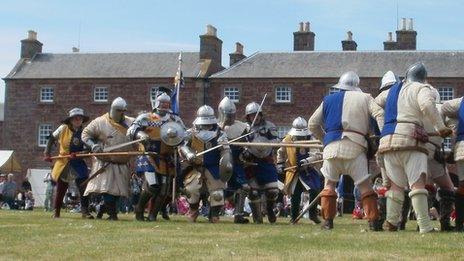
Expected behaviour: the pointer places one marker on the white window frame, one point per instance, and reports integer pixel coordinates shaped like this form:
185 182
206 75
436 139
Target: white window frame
282 131
233 93
446 93
98 90
43 132
283 88
45 93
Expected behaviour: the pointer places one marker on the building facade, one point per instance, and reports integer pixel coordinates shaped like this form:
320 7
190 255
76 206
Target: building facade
42 87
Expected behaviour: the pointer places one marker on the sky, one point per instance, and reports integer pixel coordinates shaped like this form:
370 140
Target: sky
260 25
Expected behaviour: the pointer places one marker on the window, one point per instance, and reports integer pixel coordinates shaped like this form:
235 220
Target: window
233 93
282 131
43 134
283 94
46 94
333 90
446 93
100 94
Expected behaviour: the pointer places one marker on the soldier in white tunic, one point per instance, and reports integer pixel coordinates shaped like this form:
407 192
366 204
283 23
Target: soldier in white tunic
342 122
403 144
113 171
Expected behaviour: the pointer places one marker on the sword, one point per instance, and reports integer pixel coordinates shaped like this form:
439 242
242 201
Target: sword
98 172
305 164
220 145
122 145
306 209
256 115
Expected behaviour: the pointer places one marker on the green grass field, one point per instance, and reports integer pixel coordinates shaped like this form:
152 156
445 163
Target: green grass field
35 235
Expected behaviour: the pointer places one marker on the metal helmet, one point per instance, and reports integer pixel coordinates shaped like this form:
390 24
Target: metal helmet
349 81
299 127
205 116
163 97
416 73
172 133
226 112
252 108
388 79
118 106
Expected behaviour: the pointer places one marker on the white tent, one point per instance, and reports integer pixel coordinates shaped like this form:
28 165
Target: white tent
8 162
36 178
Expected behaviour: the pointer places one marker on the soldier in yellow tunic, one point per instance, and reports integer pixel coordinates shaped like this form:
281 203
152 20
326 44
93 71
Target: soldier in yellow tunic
67 170
113 171
299 178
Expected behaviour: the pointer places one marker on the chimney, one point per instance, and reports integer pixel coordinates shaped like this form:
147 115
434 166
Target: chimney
406 37
75 50
211 48
303 39
30 46
237 55
389 44
349 44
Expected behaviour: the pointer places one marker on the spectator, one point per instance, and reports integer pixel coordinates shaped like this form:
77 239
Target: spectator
9 191
48 203
2 184
29 201
26 186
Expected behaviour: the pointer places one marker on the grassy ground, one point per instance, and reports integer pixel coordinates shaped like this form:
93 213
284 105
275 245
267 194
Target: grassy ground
34 235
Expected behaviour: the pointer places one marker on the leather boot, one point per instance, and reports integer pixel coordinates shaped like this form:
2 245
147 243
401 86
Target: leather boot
193 213
369 202
329 207
101 211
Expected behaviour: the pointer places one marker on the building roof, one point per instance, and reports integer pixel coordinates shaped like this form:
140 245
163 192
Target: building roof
316 64
107 65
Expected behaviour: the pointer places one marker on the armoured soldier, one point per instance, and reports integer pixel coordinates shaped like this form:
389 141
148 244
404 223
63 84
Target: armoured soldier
204 171
301 178
388 80
113 171
262 171
159 169
403 144
454 109
342 122
66 170
237 184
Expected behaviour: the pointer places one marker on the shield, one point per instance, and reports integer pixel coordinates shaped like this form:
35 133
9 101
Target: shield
172 133
226 166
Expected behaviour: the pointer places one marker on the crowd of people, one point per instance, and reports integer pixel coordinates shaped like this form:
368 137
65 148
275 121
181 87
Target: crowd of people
221 165
13 196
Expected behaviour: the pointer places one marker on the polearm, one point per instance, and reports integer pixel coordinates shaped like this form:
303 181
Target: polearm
119 153
306 209
292 145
